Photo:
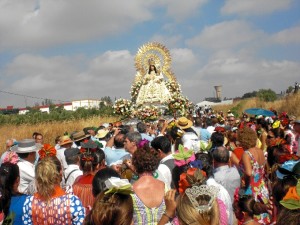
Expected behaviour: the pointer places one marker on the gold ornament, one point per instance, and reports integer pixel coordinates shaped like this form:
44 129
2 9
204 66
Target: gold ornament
153 53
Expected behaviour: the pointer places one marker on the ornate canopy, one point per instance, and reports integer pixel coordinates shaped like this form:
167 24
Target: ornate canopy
153 53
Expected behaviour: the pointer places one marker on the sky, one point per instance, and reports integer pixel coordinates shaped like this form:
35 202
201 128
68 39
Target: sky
70 50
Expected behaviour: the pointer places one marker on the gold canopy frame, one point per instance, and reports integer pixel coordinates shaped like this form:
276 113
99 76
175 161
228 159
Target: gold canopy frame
159 54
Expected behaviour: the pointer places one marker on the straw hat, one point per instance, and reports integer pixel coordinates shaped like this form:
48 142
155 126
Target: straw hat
80 135
101 133
65 140
183 123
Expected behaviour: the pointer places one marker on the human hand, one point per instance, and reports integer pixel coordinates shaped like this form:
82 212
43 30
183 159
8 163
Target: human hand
170 202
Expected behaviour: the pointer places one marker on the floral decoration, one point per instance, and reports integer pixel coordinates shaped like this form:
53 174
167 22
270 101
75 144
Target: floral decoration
147 113
173 87
142 143
11 157
179 104
192 177
135 88
47 150
123 107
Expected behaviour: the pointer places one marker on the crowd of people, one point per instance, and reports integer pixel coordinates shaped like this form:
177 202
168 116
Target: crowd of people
209 169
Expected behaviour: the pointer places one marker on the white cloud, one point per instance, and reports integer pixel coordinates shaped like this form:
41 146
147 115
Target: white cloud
240 75
227 34
169 41
254 7
287 36
57 22
180 10
69 78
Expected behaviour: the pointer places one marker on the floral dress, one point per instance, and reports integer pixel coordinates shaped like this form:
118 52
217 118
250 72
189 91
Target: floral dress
257 187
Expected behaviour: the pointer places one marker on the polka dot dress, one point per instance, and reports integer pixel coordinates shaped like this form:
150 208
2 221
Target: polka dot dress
66 209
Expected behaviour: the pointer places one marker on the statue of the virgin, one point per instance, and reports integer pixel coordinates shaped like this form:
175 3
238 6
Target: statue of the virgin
153 89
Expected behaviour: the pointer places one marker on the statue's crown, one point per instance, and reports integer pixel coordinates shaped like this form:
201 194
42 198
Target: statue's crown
151 62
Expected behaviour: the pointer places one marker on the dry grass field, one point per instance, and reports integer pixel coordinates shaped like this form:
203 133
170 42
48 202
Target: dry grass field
49 130
288 104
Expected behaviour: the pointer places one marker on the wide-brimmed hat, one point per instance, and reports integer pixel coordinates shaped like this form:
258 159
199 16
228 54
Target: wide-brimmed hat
101 133
65 140
183 123
80 135
26 146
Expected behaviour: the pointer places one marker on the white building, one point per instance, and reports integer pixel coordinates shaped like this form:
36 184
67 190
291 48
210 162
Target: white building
87 104
70 106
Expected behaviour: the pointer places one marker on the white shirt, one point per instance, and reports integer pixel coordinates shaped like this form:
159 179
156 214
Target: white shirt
73 175
190 141
27 175
210 129
60 154
164 171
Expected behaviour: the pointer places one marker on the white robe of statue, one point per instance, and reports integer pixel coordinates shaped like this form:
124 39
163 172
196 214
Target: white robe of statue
153 89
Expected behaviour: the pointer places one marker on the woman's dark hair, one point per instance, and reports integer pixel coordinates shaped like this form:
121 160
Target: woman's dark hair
145 159
281 187
176 172
190 130
174 135
207 161
263 123
99 179
217 139
247 204
274 152
90 160
287 216
8 175
278 132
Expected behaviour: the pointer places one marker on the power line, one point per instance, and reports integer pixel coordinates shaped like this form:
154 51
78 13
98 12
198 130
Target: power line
28 96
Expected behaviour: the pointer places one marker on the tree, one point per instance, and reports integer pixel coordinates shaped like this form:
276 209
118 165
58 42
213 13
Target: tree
107 99
267 95
47 102
289 90
250 94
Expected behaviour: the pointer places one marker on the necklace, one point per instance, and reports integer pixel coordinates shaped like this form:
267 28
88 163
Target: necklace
248 221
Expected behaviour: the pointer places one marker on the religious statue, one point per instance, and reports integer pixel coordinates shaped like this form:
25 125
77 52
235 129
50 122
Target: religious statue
153 89
153 66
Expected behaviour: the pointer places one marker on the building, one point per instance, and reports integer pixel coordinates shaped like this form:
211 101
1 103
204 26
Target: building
87 104
70 106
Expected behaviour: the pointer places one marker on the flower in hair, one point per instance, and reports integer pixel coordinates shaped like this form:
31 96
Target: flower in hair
287 157
87 158
11 157
277 142
47 150
183 156
142 143
193 176
292 198
117 185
